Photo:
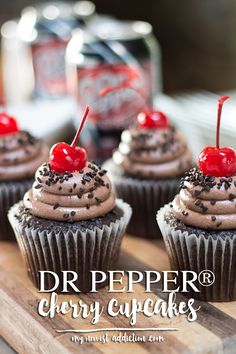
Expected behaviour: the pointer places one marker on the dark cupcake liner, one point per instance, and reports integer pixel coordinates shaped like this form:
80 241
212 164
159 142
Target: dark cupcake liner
10 193
77 251
197 253
145 198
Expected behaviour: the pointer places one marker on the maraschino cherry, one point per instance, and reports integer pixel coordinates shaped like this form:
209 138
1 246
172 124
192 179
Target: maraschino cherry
153 119
8 124
69 158
216 161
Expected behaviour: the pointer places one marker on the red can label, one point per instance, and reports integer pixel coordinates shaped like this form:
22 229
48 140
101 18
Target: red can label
49 67
118 108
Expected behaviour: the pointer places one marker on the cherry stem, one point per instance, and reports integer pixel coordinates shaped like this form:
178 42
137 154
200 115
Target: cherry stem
86 112
4 106
221 101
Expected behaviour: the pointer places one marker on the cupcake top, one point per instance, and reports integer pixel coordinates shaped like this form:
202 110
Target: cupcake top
69 187
70 196
153 152
206 201
207 197
20 152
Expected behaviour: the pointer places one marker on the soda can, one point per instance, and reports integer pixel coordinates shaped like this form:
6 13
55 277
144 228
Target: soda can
112 54
46 30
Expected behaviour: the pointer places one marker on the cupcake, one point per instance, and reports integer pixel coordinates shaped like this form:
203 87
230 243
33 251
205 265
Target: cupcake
199 226
70 218
146 169
20 156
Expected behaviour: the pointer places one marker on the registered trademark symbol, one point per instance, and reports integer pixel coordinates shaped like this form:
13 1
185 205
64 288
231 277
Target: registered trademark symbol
206 277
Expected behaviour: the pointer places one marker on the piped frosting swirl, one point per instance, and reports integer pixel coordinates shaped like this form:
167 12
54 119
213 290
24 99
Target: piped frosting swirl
153 153
81 195
20 155
206 202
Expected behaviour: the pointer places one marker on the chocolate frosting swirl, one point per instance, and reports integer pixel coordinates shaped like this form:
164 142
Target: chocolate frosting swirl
153 153
206 202
20 155
81 195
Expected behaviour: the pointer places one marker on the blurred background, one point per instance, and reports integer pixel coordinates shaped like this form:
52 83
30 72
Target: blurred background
193 52
197 37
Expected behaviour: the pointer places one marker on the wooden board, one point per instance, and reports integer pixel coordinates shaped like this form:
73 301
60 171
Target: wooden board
27 332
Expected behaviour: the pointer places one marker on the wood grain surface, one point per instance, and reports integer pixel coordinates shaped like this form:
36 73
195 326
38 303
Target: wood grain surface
27 332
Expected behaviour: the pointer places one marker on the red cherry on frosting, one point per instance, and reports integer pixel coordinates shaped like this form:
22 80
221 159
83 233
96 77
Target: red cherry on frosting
65 158
69 158
153 119
8 124
216 161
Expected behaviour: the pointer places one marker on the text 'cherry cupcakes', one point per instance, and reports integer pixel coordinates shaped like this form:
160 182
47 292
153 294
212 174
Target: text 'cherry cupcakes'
20 156
147 167
199 226
70 218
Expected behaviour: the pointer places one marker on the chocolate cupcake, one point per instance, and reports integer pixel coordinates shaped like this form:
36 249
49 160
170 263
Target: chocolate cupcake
20 156
199 226
70 219
146 169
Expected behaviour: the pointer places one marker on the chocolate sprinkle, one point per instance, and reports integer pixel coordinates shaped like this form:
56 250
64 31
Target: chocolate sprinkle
204 208
196 193
232 197
196 177
86 178
185 213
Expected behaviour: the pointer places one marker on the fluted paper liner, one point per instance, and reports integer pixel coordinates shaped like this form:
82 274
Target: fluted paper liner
196 253
10 193
81 252
145 198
